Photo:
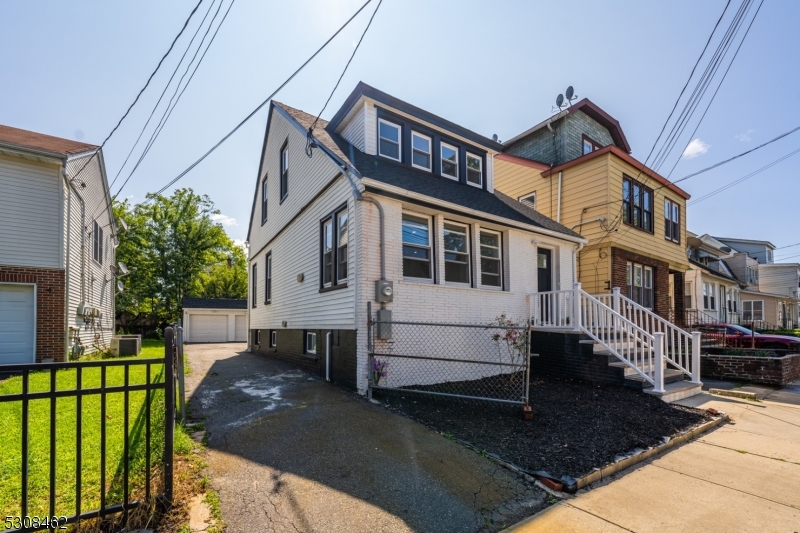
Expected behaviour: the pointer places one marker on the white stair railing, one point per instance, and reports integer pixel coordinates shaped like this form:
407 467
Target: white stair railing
551 309
681 348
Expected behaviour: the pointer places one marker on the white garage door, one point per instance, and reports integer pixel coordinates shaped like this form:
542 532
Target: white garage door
241 328
16 324
208 328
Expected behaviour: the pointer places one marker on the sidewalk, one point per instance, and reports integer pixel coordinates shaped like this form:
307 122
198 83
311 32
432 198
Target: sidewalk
744 476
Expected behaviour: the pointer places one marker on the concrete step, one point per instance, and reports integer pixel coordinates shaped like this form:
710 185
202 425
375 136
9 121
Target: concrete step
636 381
677 391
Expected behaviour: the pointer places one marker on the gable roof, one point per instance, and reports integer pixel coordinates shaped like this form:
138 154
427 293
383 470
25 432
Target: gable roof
362 89
746 241
213 303
591 109
718 273
424 183
31 140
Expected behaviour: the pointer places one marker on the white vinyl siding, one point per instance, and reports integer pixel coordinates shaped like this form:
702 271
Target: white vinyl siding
355 132
30 213
779 279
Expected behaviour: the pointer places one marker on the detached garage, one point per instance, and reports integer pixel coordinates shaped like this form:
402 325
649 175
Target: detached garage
214 320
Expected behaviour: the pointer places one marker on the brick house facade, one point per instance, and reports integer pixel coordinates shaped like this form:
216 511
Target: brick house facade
661 285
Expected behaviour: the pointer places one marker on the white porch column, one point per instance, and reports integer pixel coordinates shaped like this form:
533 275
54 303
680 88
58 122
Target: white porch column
696 336
658 362
576 306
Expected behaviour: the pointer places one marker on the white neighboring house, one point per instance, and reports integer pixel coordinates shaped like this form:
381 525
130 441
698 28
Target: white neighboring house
214 320
454 249
57 239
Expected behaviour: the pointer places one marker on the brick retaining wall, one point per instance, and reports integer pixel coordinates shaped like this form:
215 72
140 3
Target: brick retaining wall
766 370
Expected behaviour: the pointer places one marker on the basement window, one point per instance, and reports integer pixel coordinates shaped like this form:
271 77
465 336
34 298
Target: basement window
311 342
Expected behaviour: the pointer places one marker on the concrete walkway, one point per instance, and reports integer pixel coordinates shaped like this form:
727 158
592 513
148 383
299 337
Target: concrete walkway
288 452
743 476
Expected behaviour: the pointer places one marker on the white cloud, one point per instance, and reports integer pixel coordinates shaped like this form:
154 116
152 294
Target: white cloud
225 220
695 148
240 243
744 137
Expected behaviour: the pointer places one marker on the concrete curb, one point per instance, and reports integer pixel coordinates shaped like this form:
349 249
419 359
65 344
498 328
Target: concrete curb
607 471
734 394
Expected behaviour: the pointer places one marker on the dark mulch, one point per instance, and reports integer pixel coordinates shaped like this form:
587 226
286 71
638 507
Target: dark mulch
577 426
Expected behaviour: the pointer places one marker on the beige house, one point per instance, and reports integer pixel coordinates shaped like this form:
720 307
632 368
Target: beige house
712 290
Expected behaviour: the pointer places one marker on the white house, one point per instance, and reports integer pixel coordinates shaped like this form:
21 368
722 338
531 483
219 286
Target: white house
57 240
386 194
712 291
214 320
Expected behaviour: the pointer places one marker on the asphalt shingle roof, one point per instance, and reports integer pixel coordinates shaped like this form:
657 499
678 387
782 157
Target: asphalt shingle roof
40 141
213 303
425 183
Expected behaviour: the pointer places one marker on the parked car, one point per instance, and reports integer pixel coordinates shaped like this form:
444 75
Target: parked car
736 336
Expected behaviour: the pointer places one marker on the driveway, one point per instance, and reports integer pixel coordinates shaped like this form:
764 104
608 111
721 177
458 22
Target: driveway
290 452
743 476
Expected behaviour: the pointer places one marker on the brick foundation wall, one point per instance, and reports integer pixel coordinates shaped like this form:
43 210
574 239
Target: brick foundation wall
562 354
766 370
50 298
619 277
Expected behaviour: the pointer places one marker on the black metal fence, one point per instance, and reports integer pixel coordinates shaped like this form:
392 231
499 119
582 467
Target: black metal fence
86 440
469 361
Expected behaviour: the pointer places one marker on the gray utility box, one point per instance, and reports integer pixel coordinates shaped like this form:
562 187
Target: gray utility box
126 345
384 324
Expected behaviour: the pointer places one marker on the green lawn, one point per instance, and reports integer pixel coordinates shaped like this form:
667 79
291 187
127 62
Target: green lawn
66 443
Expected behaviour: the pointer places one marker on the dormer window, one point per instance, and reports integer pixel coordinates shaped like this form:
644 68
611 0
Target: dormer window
389 141
474 170
420 151
589 145
449 161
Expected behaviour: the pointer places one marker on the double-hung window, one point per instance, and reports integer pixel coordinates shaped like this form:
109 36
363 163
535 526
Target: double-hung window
334 249
97 242
449 161
254 280
753 310
637 204
417 247
268 279
687 295
456 253
640 284
420 151
491 259
389 139
284 170
672 221
474 170
709 296
264 200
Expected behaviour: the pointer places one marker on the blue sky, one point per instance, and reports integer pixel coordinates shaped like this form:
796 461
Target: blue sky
71 69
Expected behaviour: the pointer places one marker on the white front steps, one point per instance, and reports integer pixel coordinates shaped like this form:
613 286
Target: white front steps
677 390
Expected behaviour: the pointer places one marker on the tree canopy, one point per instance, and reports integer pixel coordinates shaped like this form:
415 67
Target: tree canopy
173 248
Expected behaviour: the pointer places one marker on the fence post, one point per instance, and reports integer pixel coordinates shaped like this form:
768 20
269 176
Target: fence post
576 306
181 377
615 299
369 350
169 415
658 362
696 342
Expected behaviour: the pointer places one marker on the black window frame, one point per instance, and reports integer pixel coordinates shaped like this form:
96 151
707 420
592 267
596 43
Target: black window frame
254 278
631 207
339 259
97 242
268 279
672 227
264 200
284 169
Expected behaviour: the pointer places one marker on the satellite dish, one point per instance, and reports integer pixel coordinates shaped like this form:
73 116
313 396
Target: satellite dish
559 100
123 224
570 92
120 286
494 137
123 268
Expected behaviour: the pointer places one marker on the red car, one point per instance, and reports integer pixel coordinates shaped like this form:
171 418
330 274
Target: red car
740 337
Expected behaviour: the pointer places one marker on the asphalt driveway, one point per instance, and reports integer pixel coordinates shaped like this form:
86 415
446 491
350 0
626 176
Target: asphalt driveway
289 452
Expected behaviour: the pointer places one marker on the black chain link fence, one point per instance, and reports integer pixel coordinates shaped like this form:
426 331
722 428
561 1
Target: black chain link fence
469 361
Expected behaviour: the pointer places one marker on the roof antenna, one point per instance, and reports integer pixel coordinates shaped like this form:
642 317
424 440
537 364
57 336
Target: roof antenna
562 102
571 96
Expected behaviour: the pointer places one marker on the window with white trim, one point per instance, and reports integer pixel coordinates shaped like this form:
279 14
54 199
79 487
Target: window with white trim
455 241
421 151
97 242
491 259
709 296
389 142
264 200
640 284
284 170
687 295
672 221
417 249
273 338
752 310
311 342
334 249
474 170
449 161
268 279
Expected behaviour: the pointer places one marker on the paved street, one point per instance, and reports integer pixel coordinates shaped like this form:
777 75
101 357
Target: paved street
744 477
290 452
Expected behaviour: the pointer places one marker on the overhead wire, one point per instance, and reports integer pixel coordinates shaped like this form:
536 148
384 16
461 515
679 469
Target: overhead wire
261 105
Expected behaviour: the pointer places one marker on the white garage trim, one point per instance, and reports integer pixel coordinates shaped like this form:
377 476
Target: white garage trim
35 315
228 331
240 328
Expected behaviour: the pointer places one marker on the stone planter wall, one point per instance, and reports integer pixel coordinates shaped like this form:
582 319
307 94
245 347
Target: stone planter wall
767 370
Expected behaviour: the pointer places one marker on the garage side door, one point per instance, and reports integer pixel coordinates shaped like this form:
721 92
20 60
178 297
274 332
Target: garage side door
241 328
208 328
16 324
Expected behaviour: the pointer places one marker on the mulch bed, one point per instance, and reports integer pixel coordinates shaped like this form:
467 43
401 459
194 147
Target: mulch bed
577 426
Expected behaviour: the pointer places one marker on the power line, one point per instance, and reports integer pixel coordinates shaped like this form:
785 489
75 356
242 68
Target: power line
789 246
262 104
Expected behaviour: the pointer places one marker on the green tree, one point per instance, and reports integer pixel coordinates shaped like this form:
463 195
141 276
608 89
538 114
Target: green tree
226 279
172 245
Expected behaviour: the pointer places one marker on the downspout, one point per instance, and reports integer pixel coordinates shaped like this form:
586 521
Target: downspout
558 206
71 186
